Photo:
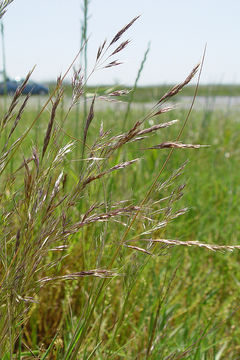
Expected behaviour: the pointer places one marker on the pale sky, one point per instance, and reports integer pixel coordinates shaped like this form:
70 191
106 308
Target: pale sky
47 33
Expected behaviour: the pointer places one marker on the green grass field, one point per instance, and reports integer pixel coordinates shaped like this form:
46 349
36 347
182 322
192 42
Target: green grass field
177 303
153 93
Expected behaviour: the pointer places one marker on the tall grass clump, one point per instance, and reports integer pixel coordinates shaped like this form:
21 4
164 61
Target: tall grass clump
76 254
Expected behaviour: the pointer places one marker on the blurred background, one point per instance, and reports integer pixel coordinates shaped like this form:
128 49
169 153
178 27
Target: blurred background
48 33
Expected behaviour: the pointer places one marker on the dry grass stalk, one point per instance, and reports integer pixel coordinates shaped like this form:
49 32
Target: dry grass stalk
139 249
113 63
172 178
17 119
157 127
176 145
16 97
123 30
100 217
100 49
120 47
119 92
163 110
77 85
211 247
177 88
3 6
102 273
103 49
116 167
135 132
89 120
51 121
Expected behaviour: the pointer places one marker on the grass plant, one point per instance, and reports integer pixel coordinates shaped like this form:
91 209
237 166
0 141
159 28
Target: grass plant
98 263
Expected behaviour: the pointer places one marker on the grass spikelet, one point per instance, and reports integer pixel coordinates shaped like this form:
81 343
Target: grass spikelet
177 88
113 63
15 100
3 6
123 30
157 127
212 247
77 85
119 92
17 118
101 217
163 110
51 121
139 249
101 273
100 49
114 168
176 145
120 47
88 121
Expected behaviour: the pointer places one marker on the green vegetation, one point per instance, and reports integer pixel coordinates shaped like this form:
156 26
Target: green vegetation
99 256
203 295
153 93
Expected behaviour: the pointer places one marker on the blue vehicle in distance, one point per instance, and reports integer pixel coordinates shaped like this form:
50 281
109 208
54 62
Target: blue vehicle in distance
9 87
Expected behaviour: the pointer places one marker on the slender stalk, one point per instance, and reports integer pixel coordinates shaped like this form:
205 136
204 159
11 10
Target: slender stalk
85 62
135 86
160 303
4 71
85 31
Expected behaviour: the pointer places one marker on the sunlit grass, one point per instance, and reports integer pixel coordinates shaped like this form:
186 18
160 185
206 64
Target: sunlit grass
204 290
